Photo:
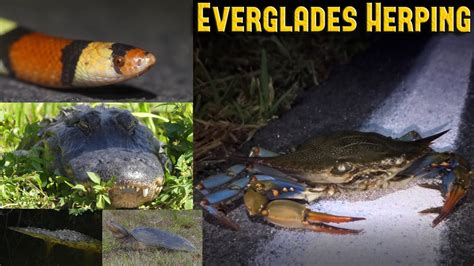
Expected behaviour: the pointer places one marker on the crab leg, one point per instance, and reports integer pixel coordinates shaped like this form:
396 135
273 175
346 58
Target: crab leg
221 178
261 152
455 175
220 216
232 190
457 190
213 199
217 180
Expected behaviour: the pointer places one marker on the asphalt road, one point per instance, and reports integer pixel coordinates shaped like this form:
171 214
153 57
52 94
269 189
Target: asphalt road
162 27
399 84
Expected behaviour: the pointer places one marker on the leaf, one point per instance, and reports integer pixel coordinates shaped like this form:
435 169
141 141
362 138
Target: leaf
188 205
94 177
38 181
106 198
97 188
146 115
100 202
79 187
190 137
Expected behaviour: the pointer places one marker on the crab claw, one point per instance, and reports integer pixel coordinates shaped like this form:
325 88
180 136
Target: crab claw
329 218
329 229
290 214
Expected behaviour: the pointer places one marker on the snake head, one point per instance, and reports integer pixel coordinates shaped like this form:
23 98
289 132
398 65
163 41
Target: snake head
129 61
104 63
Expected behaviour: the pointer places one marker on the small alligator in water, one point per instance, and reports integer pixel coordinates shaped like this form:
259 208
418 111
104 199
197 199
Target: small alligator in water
109 142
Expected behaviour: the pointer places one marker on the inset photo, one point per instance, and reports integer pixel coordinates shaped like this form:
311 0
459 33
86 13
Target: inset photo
115 51
334 148
152 237
50 237
96 156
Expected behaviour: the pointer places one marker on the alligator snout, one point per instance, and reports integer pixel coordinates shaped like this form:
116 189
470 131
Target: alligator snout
138 175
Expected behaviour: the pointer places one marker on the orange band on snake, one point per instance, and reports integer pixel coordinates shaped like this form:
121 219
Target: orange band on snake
61 63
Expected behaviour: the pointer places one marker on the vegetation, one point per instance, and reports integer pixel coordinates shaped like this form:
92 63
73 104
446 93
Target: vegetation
184 223
24 182
243 81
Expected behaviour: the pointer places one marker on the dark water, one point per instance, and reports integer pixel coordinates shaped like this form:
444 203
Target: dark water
20 249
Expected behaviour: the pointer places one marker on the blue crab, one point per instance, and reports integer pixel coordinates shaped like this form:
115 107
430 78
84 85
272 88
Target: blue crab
277 186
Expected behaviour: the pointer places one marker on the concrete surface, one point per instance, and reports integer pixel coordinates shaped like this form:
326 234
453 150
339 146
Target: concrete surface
397 85
162 27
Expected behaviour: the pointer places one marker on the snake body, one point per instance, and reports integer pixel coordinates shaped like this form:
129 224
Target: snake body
63 63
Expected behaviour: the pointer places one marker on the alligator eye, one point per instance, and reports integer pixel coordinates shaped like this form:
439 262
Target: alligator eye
127 121
83 125
132 125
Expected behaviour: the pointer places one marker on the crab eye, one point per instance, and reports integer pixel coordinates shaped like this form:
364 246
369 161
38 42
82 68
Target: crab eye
119 61
259 186
341 168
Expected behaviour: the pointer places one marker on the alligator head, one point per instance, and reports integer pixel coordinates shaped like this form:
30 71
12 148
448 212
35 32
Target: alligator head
111 143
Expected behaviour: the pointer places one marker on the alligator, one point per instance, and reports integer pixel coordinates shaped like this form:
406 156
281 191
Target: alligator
109 142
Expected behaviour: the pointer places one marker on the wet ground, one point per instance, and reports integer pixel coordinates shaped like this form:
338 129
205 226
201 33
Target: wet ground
162 27
418 82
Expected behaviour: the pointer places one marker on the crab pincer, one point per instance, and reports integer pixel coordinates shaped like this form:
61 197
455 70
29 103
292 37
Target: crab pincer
290 214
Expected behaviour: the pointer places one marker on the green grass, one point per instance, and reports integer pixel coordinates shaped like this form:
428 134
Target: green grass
24 182
184 223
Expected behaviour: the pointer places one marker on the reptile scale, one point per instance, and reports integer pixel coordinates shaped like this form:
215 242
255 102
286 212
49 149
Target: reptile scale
56 62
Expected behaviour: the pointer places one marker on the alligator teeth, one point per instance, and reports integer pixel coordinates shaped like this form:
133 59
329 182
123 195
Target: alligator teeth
145 192
137 189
